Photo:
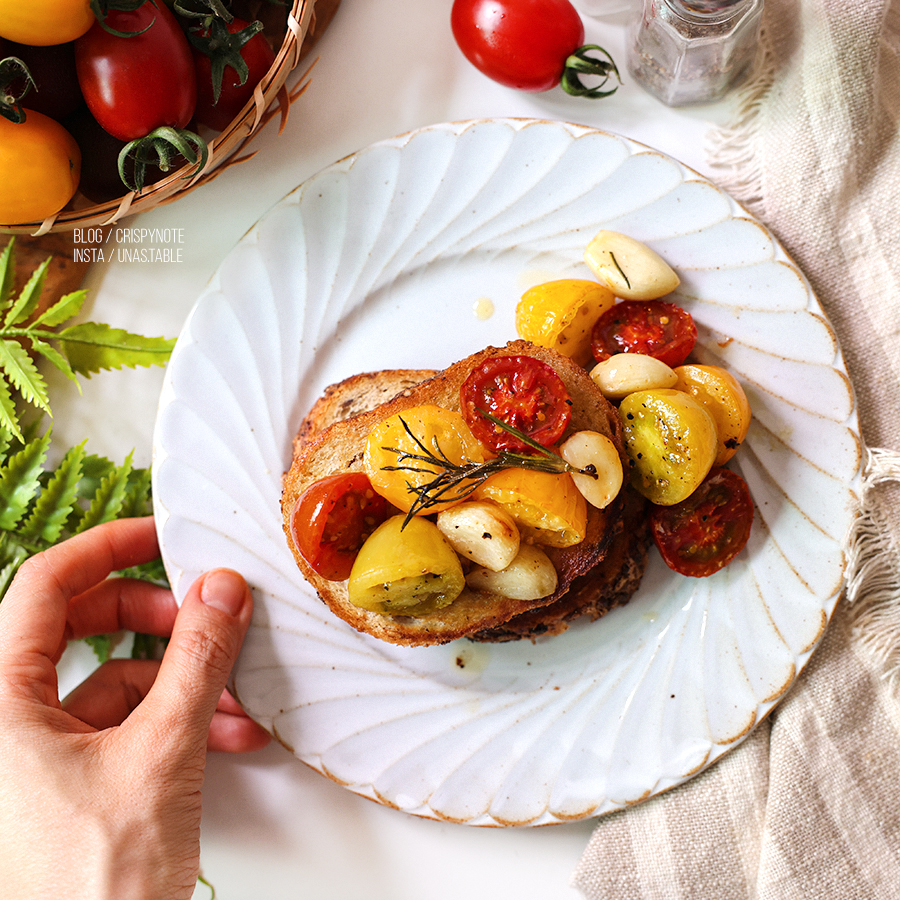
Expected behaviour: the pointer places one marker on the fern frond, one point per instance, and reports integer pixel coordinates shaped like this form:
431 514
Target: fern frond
56 501
107 501
20 480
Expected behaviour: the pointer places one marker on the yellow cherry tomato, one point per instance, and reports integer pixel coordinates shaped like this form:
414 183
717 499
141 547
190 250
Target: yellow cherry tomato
41 23
418 431
405 570
722 396
40 165
560 315
549 509
671 441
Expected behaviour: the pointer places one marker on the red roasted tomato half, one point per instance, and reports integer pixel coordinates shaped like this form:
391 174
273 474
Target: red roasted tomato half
332 519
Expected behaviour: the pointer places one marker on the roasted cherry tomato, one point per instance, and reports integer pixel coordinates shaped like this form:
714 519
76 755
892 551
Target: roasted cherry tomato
561 314
133 85
722 396
705 532
521 391
397 450
671 441
530 45
549 509
237 59
44 22
406 569
653 327
332 520
40 165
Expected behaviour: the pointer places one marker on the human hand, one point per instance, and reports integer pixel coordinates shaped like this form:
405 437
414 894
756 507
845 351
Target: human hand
100 794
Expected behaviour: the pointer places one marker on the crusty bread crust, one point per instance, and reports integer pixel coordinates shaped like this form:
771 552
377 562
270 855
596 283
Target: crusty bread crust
332 439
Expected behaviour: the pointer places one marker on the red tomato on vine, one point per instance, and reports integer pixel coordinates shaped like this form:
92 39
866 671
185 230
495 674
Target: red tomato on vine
530 45
141 87
230 61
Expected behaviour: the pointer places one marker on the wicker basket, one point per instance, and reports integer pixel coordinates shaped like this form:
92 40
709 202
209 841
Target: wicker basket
305 22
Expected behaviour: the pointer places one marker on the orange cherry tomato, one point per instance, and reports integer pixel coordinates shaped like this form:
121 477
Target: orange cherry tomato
44 22
40 165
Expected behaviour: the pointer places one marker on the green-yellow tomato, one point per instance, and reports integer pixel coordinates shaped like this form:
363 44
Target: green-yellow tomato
406 570
671 440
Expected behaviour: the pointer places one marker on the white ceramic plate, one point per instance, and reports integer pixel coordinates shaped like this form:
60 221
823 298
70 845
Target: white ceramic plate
381 261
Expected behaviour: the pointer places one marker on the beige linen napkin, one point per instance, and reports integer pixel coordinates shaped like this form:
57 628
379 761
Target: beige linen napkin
809 805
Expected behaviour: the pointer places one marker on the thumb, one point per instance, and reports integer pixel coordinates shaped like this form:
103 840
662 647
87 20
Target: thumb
206 638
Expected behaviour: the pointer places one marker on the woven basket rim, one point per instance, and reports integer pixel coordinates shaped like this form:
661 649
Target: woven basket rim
252 118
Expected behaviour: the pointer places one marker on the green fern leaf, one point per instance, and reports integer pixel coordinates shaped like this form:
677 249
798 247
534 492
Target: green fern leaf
57 500
7 272
20 480
9 415
93 346
101 644
12 555
22 374
137 498
64 308
51 354
28 298
107 501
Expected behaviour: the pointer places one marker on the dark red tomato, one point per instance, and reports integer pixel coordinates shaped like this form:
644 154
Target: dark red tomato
521 391
332 519
523 44
135 84
705 532
55 92
652 327
100 180
258 56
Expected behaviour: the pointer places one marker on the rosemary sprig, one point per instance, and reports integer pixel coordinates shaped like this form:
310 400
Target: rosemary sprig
459 480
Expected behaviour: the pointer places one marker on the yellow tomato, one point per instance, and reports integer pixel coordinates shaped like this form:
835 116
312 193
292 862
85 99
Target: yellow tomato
549 509
671 441
722 396
418 431
405 570
40 165
44 22
560 315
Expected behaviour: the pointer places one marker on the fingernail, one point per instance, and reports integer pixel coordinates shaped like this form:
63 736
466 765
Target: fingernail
225 590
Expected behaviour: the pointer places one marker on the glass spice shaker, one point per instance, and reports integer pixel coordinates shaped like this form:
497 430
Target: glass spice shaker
693 51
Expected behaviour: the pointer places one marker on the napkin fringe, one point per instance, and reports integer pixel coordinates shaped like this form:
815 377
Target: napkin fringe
873 571
730 147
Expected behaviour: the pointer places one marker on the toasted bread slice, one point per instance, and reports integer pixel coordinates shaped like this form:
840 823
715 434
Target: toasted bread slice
328 442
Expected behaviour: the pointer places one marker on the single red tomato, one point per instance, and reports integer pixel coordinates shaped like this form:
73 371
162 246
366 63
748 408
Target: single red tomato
705 532
530 45
230 61
652 327
332 519
133 85
520 391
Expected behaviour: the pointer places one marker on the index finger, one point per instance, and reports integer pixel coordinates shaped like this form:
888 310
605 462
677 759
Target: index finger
33 612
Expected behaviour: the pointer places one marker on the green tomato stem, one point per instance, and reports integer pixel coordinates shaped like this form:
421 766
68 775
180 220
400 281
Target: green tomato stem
161 147
581 63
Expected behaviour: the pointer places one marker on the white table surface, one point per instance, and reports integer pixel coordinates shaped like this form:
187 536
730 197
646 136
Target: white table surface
271 826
